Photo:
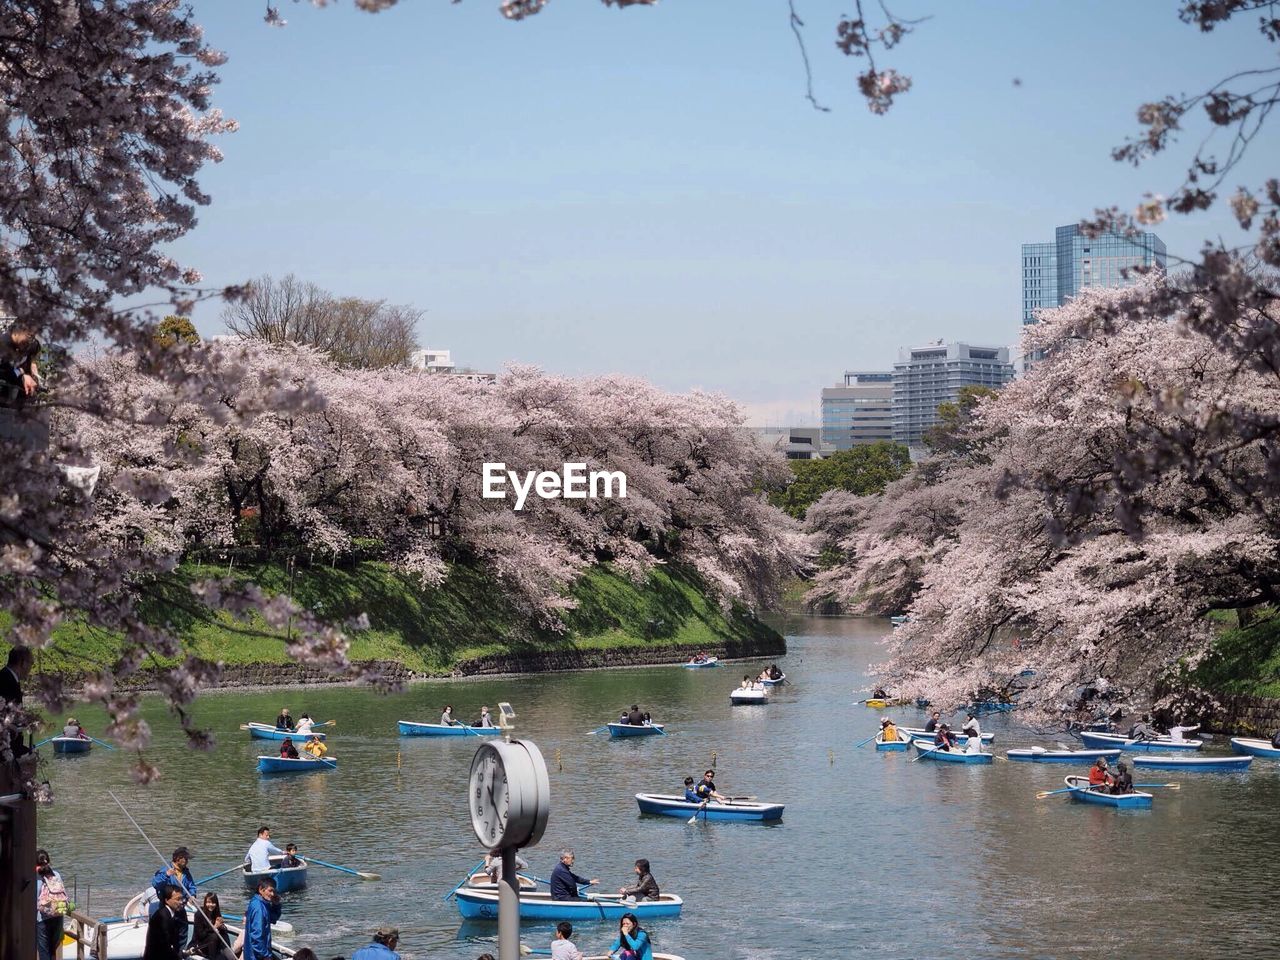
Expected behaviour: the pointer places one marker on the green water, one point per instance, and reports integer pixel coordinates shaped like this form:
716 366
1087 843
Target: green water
876 856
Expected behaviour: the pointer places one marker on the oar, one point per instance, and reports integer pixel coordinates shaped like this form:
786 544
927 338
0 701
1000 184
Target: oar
659 729
866 741
743 798
201 883
923 752
109 746
464 880
1168 786
43 742
598 730
1049 793
333 866
701 809
536 879
327 723
332 763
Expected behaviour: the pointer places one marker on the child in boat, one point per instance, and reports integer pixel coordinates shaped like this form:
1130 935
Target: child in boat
690 794
562 947
291 858
1123 782
888 732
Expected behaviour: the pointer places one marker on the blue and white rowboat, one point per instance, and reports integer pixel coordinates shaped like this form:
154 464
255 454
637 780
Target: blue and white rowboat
899 744
1255 748
1081 793
920 733
1109 741
265 731
701 664
774 683
538 905
286 878
1041 755
927 752
304 764
675 806
635 730
71 745
1194 764
410 729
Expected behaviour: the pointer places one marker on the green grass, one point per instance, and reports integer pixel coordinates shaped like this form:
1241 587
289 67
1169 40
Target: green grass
1244 659
430 630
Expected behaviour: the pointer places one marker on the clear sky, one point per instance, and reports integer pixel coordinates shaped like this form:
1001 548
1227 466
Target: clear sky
647 191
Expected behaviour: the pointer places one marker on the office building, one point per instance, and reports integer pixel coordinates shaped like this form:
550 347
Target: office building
1053 273
432 361
859 410
794 443
927 376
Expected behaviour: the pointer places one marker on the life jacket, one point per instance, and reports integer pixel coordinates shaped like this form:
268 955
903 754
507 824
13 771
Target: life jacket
889 734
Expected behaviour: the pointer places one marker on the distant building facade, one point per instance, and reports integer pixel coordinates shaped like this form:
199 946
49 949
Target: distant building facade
794 443
927 376
432 361
859 410
1053 273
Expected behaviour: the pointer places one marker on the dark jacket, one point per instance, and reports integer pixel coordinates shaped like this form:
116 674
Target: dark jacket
284 723
646 888
635 718
931 726
208 942
166 935
1275 741
1123 783
565 883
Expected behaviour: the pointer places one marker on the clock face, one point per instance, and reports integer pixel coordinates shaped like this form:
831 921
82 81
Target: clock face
508 794
490 797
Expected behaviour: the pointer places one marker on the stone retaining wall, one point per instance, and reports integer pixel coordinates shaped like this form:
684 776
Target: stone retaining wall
1246 716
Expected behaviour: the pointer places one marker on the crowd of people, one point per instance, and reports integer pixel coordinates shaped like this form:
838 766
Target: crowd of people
635 717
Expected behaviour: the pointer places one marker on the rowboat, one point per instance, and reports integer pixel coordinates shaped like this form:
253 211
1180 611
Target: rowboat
127 933
71 745
927 752
1255 748
700 664
410 729
900 618
1041 755
919 733
635 730
899 744
1104 741
669 805
1194 764
1081 792
774 683
481 881
286 878
538 905
304 764
265 731
746 697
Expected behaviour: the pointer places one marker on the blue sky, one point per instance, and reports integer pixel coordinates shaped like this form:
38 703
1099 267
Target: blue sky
647 191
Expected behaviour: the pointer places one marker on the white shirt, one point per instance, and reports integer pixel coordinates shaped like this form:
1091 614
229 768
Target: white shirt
972 728
564 950
259 855
974 745
304 727
1175 733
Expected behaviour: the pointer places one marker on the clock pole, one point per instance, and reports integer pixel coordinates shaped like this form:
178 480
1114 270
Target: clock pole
509 908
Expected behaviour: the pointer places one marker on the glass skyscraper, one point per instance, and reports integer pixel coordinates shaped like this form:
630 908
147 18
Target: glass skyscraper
858 411
1052 273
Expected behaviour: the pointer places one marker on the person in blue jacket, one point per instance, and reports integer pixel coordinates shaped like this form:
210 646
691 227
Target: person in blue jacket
177 873
263 910
564 882
632 943
383 946
690 794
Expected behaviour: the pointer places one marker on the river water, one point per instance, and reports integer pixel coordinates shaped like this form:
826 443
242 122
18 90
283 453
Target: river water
876 856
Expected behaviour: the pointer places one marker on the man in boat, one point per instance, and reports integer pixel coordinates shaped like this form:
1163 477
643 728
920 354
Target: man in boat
564 882
177 874
699 657
1178 734
932 725
383 946
888 732
284 721
485 720
315 746
635 718
493 864
879 694
645 888
943 738
690 794
775 673
167 928
259 855
263 910
291 858
446 716
1123 781
72 729
287 750
1142 730
1275 741
707 789
1099 776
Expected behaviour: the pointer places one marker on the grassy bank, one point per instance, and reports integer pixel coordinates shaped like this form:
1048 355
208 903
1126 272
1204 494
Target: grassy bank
433 630
1245 659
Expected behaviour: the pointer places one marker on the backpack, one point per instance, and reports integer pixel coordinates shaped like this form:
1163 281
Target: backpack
53 900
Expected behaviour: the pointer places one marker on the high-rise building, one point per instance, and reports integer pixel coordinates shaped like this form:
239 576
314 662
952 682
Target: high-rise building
1053 273
858 411
927 376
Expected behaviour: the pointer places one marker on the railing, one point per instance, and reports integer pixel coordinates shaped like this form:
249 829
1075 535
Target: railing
89 935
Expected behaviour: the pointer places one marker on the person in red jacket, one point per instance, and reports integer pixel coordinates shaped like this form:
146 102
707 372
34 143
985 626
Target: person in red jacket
1099 776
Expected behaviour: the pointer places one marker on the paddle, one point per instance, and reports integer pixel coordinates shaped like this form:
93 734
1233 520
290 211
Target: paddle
42 742
1049 793
536 879
923 752
1168 786
598 730
109 746
464 880
701 809
324 760
333 866
866 741
742 798
659 729
201 883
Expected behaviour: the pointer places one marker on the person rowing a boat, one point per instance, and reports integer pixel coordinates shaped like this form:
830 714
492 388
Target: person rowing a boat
1275 741
564 882
888 732
1142 730
287 750
634 717
493 864
707 789
944 739
932 725
645 888
284 721
775 672
259 855
177 874
446 717
315 746
1178 734
1099 776
1123 781
74 730
699 657
305 723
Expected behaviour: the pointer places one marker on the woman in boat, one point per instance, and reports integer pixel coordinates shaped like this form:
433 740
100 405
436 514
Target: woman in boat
305 723
888 732
764 675
1099 776
974 745
446 716
944 739
287 750
315 746
493 864
211 938
74 729
971 726
1123 781
632 942
485 720
645 888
